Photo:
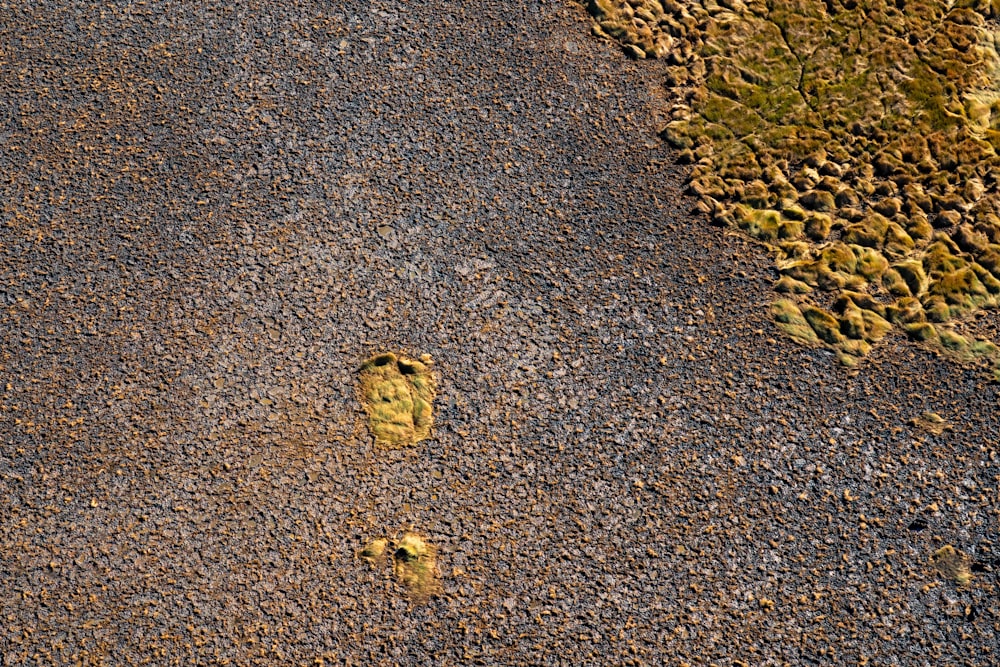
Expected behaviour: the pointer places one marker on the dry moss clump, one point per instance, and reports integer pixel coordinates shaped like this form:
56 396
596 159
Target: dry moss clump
857 141
398 395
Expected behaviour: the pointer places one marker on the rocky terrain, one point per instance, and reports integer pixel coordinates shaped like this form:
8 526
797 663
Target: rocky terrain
214 213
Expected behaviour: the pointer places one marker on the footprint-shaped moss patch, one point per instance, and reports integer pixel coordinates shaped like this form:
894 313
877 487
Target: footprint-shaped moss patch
398 395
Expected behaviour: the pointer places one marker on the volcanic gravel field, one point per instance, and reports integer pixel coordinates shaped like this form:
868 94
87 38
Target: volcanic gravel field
212 213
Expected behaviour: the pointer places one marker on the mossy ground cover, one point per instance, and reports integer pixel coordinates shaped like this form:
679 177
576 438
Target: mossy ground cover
414 563
857 141
398 395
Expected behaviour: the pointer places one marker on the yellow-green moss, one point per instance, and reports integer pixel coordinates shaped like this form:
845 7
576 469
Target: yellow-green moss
879 121
790 285
952 341
921 331
876 326
789 318
931 422
825 325
414 562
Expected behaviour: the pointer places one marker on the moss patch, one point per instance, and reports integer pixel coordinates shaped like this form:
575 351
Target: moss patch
398 395
790 319
415 564
953 565
866 132
374 550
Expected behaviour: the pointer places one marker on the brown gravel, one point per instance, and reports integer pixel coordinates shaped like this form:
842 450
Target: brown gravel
212 213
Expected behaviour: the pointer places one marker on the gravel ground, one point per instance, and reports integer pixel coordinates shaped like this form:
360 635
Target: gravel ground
214 212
